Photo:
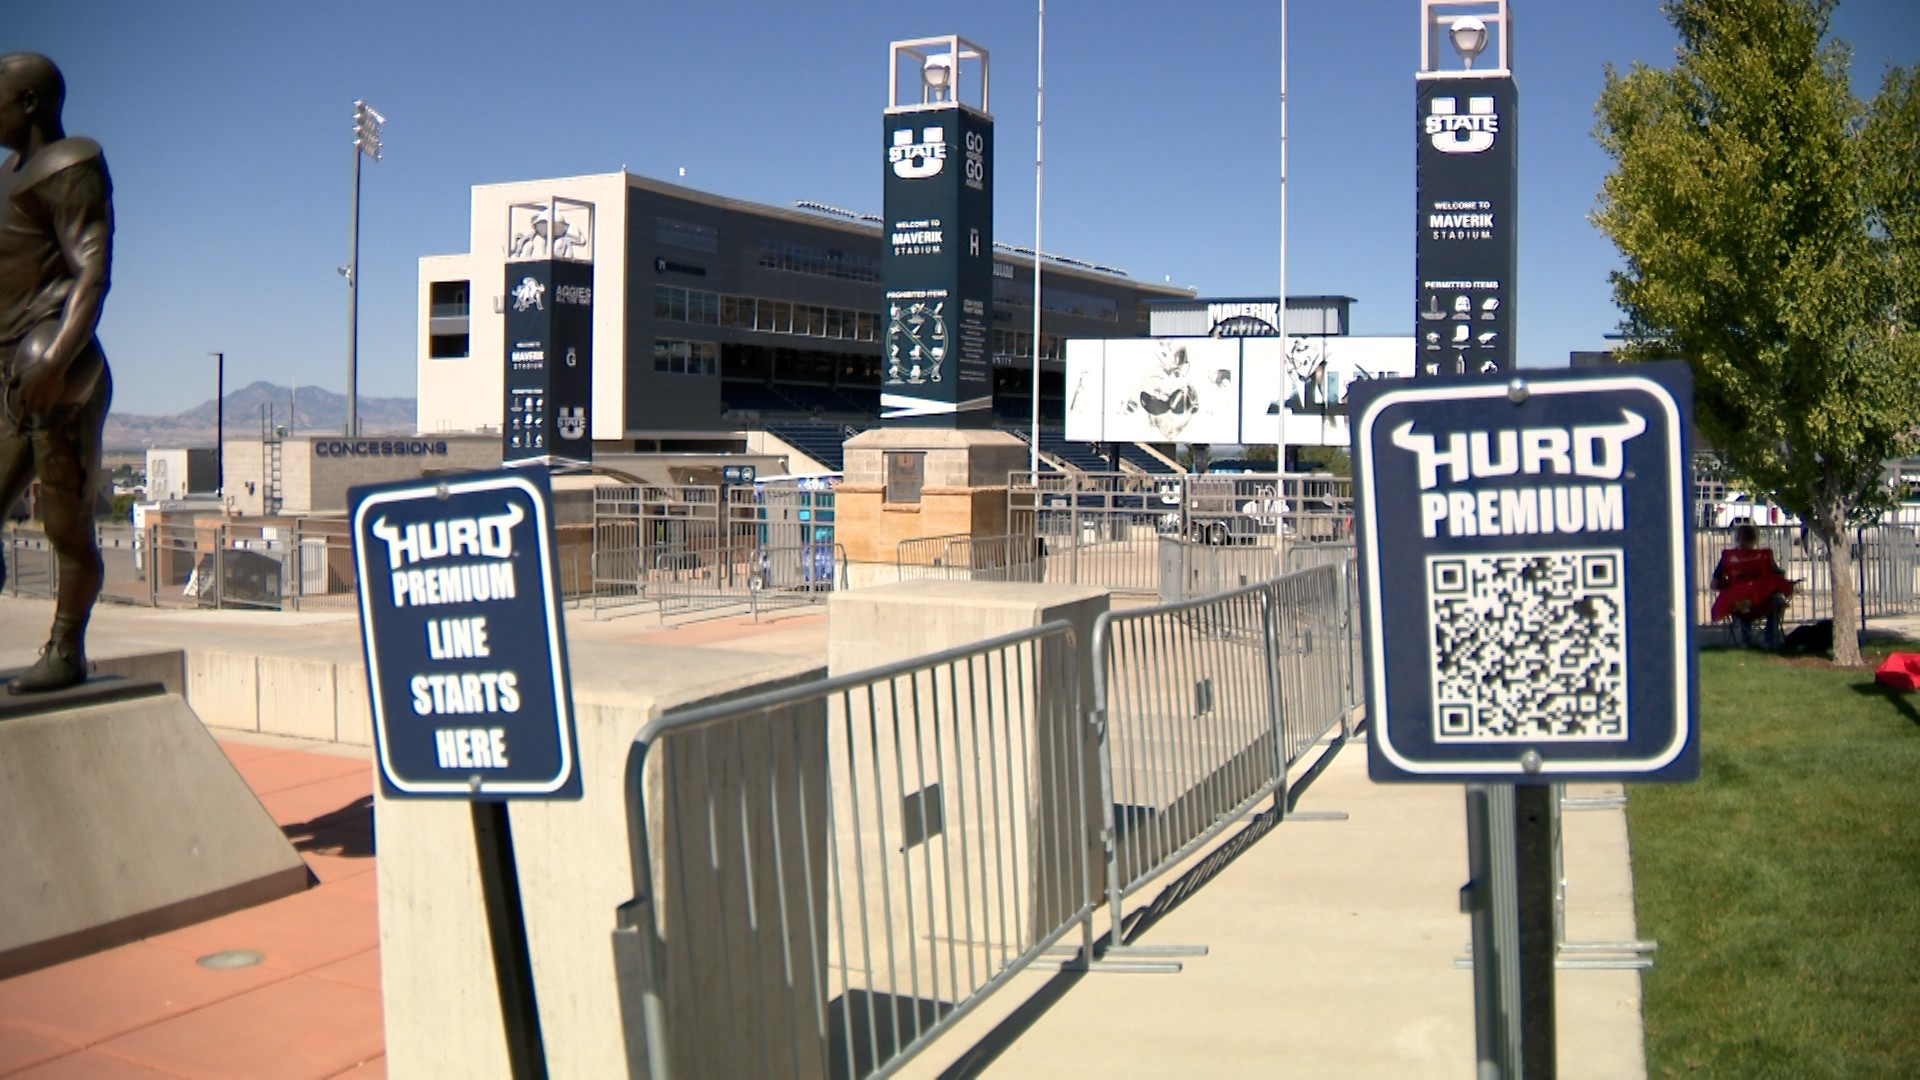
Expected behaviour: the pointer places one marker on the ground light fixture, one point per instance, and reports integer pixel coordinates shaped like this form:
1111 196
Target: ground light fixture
1469 36
230 959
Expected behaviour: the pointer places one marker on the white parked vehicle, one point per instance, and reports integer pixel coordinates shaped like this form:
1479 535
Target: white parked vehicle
1741 509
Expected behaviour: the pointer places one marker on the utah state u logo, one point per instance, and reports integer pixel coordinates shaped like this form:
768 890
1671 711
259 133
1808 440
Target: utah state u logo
1455 134
918 160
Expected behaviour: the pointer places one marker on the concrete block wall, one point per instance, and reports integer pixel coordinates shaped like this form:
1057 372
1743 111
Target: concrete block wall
322 699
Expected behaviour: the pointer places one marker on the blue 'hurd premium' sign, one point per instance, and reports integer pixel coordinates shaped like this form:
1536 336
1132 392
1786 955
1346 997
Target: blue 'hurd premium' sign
936 261
1526 602
1464 252
466 654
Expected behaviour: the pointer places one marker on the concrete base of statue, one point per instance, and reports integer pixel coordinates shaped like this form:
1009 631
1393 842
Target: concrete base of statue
120 818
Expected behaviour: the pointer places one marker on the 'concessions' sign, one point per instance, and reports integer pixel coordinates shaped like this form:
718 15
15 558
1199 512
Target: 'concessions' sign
379 448
1465 247
1525 593
466 653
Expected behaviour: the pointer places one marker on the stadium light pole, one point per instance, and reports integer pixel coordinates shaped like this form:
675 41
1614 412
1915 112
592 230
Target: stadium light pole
1039 108
366 141
219 425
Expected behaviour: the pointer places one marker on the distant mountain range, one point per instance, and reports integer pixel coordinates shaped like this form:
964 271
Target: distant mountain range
310 411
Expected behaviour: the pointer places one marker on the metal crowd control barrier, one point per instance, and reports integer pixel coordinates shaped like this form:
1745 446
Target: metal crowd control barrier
1189 569
31 567
299 567
826 878
1103 528
701 580
170 557
1602 955
1341 553
619 578
1310 656
1202 706
758 578
1302 556
796 575
1888 564
1350 628
961 557
924 558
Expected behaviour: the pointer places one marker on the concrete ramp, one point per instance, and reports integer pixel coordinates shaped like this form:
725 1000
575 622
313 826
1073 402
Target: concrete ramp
121 818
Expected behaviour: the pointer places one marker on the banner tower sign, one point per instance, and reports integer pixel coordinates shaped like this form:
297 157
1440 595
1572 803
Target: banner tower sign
548 304
937 248
1466 166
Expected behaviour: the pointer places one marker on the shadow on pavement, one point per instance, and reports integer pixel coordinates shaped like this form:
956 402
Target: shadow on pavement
347 831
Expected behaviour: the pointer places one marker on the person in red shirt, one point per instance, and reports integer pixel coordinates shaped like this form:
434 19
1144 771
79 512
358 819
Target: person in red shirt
1749 586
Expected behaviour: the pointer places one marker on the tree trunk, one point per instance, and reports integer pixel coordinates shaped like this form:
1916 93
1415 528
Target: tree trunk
1846 599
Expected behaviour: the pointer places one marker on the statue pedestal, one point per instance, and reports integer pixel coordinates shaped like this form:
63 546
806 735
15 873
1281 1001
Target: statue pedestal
963 490
120 818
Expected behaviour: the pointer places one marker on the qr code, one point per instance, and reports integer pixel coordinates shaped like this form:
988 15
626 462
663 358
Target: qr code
1529 647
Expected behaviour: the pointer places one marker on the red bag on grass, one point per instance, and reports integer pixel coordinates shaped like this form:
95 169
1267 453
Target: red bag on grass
1900 670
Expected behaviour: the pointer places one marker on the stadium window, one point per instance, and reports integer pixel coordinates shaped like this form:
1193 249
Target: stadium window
686 234
670 302
448 299
672 356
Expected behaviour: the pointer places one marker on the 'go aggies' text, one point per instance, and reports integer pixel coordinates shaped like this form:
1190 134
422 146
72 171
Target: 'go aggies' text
484 546
1596 452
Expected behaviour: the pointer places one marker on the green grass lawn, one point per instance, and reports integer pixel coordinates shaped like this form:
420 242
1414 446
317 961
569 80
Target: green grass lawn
1784 885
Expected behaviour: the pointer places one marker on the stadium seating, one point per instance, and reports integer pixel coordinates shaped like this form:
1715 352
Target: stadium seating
821 442
1133 454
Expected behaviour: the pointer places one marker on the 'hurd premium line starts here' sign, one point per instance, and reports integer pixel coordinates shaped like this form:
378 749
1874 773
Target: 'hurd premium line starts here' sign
466 653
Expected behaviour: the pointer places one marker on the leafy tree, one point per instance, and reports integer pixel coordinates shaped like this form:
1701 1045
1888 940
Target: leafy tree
1770 227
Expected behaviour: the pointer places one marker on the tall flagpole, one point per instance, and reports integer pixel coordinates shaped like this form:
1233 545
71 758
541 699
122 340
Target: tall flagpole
1280 440
1039 101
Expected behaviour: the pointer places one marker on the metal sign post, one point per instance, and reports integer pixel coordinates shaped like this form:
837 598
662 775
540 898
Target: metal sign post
1522 548
467 676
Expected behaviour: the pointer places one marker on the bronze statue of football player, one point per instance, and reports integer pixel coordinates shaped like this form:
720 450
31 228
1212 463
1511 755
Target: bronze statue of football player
56 240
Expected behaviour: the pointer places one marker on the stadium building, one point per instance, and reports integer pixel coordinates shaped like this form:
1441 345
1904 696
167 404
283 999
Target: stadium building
725 326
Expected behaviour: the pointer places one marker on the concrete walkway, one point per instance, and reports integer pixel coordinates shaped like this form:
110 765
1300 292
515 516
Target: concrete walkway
1332 942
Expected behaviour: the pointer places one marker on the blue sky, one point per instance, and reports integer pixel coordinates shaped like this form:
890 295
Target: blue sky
227 129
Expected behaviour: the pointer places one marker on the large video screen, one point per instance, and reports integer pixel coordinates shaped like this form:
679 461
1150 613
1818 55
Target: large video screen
1154 390
1315 376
